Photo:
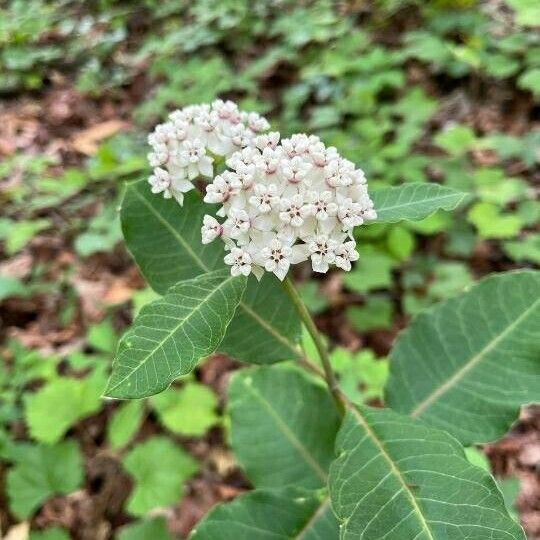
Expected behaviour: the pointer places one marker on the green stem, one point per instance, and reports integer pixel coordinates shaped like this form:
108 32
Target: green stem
319 343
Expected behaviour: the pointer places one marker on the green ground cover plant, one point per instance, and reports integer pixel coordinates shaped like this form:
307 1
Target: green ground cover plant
437 103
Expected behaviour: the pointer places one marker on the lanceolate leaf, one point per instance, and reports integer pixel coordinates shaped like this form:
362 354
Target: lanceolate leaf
288 514
165 241
283 427
467 364
172 334
414 201
397 479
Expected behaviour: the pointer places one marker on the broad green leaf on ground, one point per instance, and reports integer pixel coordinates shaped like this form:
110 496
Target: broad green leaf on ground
102 336
372 271
414 201
401 242
456 140
124 423
146 529
468 364
165 241
52 533
374 314
527 12
490 222
11 286
40 472
283 426
189 411
530 80
284 514
21 232
361 375
159 468
313 297
525 249
170 335
60 404
396 478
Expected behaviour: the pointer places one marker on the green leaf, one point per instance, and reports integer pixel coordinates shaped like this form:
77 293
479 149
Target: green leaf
527 11
165 241
11 286
313 297
361 375
60 404
124 423
40 472
189 411
146 529
21 232
526 249
159 469
372 271
283 427
468 364
491 223
52 533
530 80
170 335
401 243
414 201
456 140
102 336
376 313
285 514
397 479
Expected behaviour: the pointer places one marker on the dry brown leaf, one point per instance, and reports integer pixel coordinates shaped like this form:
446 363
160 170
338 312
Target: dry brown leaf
85 141
118 293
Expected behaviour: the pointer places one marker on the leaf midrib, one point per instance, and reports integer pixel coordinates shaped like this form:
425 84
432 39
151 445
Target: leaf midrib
416 203
473 362
322 507
267 326
289 435
397 473
172 332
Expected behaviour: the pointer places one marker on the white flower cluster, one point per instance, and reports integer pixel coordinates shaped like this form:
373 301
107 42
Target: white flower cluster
282 201
182 147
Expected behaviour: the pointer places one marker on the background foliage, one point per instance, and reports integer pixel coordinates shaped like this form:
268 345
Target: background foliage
443 91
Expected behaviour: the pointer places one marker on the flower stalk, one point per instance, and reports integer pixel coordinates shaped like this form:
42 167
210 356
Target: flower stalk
322 350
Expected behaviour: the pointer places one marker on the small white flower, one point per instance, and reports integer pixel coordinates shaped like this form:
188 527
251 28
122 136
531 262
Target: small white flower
268 140
237 224
222 188
323 204
295 170
268 162
159 156
345 253
277 258
211 229
240 262
256 122
297 145
265 198
161 182
241 136
350 213
294 211
192 156
322 249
